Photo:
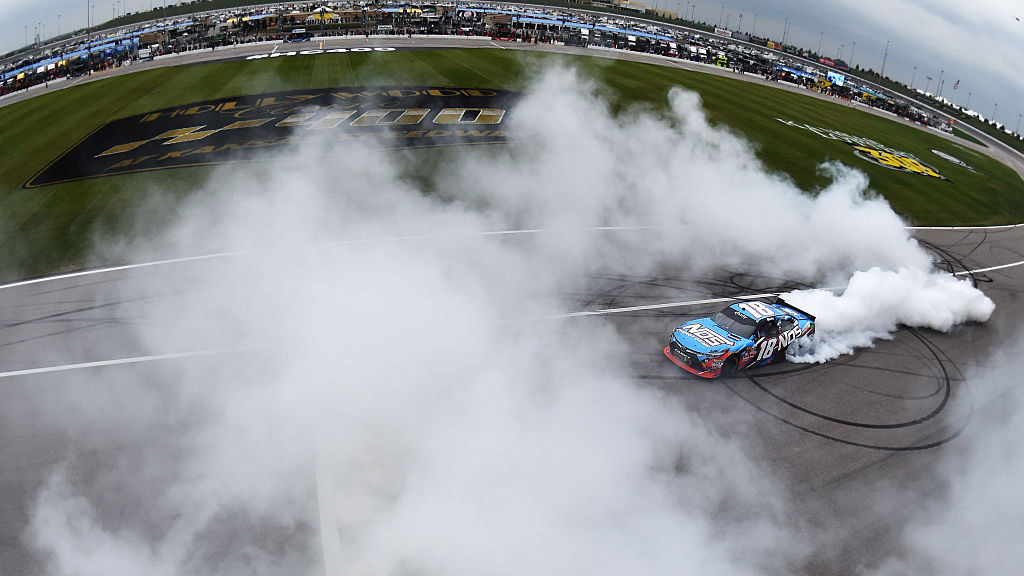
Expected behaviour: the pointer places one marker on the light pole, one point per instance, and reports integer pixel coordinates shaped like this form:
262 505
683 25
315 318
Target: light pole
939 88
968 106
1017 129
994 108
740 25
912 76
821 36
687 11
754 29
852 48
884 57
720 16
927 84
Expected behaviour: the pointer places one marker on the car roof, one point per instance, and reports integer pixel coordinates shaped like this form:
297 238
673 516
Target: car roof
744 309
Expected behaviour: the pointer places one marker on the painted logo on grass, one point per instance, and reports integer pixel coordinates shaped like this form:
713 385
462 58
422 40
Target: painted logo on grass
245 128
953 159
874 152
896 161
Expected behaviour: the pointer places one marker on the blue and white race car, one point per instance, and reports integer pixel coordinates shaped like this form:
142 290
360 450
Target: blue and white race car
744 335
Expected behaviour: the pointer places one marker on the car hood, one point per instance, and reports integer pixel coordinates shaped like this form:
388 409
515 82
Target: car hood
706 337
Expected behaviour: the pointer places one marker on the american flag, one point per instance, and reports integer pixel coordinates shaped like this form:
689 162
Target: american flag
956 84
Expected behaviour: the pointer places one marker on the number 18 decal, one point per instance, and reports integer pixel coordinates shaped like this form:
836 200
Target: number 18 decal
767 349
772 345
756 309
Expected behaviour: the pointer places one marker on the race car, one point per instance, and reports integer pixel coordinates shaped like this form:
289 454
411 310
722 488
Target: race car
743 335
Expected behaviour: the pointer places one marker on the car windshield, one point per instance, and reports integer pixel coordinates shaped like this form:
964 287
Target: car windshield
735 322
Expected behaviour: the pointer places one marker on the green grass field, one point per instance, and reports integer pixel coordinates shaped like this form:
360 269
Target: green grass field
46 230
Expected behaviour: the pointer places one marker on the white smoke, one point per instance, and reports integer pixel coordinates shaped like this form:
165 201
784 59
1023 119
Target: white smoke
721 209
876 302
970 524
442 438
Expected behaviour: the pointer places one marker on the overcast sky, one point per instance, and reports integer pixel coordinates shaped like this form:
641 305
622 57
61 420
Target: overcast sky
980 43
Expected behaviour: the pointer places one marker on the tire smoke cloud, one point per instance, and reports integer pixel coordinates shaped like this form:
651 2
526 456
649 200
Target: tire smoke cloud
876 302
967 526
402 425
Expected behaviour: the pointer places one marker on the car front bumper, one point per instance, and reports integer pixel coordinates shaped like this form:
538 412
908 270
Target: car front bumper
688 361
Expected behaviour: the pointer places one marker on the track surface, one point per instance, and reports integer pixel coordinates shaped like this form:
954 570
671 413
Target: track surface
840 435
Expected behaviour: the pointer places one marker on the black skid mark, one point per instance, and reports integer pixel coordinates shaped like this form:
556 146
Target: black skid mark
941 362
953 264
620 290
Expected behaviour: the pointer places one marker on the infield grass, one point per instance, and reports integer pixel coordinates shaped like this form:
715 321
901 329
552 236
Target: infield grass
47 230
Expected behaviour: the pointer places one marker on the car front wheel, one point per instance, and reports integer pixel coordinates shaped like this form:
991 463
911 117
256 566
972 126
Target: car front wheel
729 368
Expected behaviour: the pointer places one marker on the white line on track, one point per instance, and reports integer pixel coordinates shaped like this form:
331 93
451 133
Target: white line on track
485 234
322 245
122 361
603 312
989 269
607 311
999 227
216 351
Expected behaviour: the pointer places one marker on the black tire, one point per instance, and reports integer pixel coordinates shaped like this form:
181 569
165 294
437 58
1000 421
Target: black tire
729 368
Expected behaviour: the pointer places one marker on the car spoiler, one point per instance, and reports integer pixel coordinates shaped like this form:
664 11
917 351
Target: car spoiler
779 300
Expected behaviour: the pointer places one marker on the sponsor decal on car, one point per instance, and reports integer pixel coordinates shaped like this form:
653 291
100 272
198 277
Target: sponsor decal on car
706 336
874 152
772 345
241 129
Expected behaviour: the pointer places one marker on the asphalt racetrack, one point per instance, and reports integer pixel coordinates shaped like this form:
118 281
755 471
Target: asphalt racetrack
837 433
